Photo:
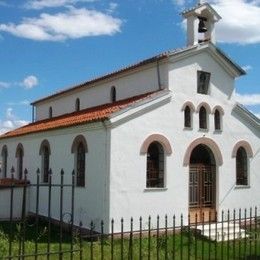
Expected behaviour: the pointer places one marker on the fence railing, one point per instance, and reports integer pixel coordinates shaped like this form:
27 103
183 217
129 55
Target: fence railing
235 234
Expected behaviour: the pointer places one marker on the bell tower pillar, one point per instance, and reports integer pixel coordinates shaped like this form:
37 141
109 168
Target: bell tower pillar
201 21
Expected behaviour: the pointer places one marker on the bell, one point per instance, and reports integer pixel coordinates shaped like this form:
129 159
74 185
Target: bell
202 27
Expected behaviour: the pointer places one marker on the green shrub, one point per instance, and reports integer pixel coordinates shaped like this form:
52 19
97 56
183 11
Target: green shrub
3 244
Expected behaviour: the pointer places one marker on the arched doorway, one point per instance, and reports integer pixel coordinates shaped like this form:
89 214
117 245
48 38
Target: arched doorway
202 184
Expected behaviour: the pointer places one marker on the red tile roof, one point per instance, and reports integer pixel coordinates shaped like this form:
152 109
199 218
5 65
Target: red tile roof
88 115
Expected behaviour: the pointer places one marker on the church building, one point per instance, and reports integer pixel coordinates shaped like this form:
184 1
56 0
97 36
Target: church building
162 136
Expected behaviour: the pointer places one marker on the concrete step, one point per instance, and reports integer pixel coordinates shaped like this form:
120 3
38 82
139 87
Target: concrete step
222 231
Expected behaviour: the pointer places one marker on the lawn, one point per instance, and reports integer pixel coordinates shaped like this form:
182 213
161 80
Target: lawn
182 245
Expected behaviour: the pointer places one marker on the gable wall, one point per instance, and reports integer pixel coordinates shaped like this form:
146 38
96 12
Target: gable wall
128 193
130 85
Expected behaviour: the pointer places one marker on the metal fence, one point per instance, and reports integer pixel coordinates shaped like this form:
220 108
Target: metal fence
235 234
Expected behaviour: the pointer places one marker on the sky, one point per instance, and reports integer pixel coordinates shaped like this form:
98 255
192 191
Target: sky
49 45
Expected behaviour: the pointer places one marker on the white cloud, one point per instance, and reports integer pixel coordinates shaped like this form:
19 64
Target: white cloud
4 84
240 21
179 2
247 67
20 103
30 82
40 4
248 99
112 7
72 24
257 115
10 122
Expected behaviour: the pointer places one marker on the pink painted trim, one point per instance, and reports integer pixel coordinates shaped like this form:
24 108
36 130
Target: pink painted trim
206 105
190 104
76 141
19 147
158 138
245 145
206 141
219 108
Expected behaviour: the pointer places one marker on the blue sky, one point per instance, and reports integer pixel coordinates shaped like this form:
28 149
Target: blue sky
48 45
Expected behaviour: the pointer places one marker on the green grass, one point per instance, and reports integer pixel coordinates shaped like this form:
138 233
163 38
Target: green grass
183 245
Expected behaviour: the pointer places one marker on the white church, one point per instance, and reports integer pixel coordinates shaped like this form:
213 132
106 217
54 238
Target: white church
162 136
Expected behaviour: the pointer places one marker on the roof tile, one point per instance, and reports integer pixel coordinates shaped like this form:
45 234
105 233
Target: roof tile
88 115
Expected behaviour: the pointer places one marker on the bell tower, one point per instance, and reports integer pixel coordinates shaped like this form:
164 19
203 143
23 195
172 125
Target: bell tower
201 21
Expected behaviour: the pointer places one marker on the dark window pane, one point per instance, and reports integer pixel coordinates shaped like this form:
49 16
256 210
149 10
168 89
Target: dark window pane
203 118
77 104
217 120
203 82
155 166
81 165
46 161
187 117
241 167
113 94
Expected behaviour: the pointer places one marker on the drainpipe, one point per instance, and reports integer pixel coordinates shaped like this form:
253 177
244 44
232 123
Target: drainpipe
158 75
32 113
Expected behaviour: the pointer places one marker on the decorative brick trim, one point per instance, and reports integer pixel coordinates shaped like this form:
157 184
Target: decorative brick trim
190 104
19 147
206 141
44 143
206 105
219 108
77 140
156 138
245 145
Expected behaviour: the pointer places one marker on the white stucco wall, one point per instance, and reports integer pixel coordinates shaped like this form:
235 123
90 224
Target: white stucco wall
135 83
91 200
17 203
128 193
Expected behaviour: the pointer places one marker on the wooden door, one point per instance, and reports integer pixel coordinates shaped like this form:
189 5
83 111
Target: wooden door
202 193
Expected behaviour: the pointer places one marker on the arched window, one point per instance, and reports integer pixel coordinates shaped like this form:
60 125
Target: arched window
19 156
50 112
241 167
79 148
45 154
217 120
187 117
113 94
77 104
4 161
80 165
203 118
155 166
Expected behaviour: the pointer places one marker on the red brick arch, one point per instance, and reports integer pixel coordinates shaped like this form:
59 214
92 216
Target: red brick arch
156 138
245 145
206 141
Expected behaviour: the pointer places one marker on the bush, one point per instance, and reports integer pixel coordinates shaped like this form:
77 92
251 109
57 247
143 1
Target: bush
3 244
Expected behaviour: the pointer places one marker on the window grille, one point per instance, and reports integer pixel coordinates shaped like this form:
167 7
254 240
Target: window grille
203 118
81 165
187 117
217 120
203 82
241 167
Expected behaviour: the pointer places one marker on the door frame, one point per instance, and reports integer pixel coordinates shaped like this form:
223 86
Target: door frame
203 213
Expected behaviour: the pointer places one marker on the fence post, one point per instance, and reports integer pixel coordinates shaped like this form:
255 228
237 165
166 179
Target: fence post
49 213
61 212
166 238
149 237
102 240
122 239
37 214
72 212
140 237
11 214
24 212
112 239
157 236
